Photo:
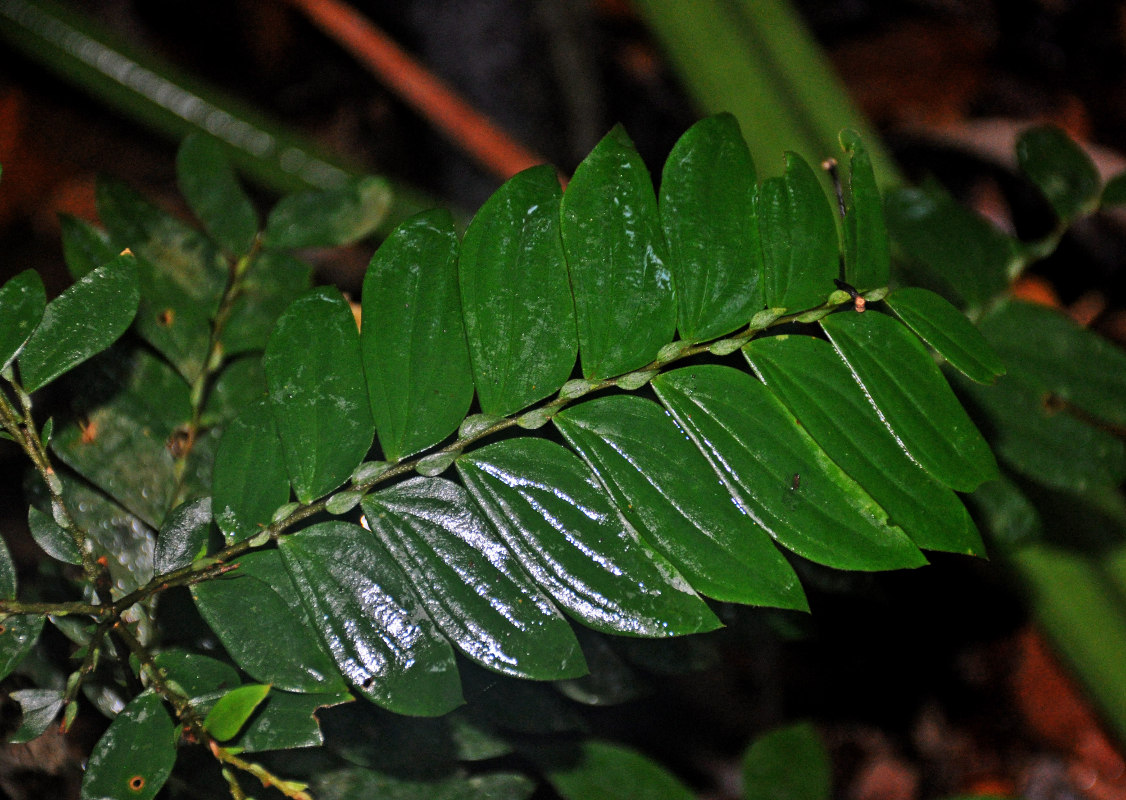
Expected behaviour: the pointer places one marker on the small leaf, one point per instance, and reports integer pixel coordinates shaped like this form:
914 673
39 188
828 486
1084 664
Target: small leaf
947 330
867 253
912 398
245 500
135 755
286 721
226 718
519 316
799 238
707 212
18 632
317 394
555 518
55 542
39 708
370 620
183 536
625 303
415 357
22 302
81 322
208 183
330 217
788 763
604 770
1061 169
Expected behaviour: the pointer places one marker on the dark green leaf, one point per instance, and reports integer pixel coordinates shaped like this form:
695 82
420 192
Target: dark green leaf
135 755
667 490
1061 169
1006 514
286 721
806 374
707 212
947 330
1049 352
788 763
472 587
912 398
962 251
85 247
81 322
39 708
625 302
18 632
354 782
208 183
22 302
7 573
552 514
330 217
317 394
603 771
230 713
55 542
519 316
240 383
197 675
370 620
867 256
799 238
415 356
183 536
777 473
257 615
245 500
1114 193
273 281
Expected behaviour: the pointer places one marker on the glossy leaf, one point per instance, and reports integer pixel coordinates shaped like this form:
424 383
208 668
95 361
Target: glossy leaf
183 536
230 713
912 398
799 238
867 260
472 587
272 282
85 247
947 330
515 295
554 517
81 322
317 394
370 621
809 377
22 302
19 632
55 542
135 755
208 183
39 709
245 500
257 614
603 770
199 676
625 303
286 721
666 489
707 213
756 449
355 782
1061 169
789 763
415 357
955 246
329 217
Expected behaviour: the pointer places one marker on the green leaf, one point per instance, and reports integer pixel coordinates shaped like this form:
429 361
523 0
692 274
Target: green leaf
666 489
330 217
519 316
18 632
208 183
370 620
1061 169
1009 517
257 615
962 251
315 375
85 247
867 254
240 383
777 473
912 398
1049 352
415 356
22 302
226 717
472 587
552 514
55 542
947 330
183 536
1114 193
273 281
81 322
707 213
286 721
198 675
788 763
39 708
135 755
806 374
354 782
245 500
625 303
603 770
799 238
